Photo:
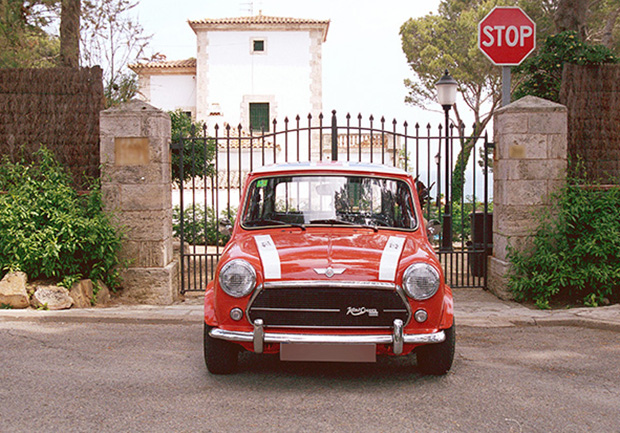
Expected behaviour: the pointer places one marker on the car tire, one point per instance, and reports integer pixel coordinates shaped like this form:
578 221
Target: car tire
436 359
221 357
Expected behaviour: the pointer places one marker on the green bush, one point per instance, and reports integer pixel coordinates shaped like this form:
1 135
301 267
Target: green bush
198 149
199 225
48 230
576 249
541 75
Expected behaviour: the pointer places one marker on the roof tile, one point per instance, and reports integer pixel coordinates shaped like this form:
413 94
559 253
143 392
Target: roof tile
165 64
258 19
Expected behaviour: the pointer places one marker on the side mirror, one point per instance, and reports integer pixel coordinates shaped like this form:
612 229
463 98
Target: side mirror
423 192
433 228
224 227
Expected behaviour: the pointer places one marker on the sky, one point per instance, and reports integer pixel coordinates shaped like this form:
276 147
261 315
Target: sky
363 63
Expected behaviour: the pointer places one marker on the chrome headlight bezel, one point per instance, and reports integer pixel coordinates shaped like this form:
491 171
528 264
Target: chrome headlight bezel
421 281
241 269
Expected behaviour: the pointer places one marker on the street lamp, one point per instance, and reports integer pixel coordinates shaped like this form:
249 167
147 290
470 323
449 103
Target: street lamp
446 96
437 163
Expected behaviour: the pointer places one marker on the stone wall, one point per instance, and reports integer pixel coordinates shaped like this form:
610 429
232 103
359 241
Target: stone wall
137 189
529 164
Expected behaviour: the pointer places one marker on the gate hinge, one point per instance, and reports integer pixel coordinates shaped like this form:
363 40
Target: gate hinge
490 145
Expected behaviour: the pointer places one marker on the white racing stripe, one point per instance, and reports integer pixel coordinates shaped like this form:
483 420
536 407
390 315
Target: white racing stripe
390 258
269 257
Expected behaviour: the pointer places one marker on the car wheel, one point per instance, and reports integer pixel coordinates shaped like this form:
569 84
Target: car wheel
221 357
436 359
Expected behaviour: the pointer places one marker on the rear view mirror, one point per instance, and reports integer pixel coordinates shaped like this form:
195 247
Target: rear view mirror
325 189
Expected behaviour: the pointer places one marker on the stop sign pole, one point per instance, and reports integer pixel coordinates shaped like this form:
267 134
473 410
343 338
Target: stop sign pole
506 85
506 36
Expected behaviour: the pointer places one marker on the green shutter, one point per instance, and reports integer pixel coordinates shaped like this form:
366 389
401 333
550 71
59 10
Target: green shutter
259 116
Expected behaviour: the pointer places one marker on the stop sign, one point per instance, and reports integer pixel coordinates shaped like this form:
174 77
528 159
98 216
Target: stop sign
507 35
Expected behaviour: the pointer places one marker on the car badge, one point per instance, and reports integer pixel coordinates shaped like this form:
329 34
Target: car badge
329 271
359 311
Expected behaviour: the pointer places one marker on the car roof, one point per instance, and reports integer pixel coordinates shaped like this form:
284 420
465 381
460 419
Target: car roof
335 166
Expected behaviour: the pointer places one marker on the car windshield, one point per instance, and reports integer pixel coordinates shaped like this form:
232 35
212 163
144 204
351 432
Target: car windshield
329 200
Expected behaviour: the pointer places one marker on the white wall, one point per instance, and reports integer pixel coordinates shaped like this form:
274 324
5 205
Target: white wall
169 92
281 75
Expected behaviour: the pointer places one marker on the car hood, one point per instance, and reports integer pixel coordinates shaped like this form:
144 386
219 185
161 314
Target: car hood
341 255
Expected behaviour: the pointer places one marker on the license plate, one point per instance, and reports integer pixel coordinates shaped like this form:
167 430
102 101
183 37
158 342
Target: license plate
328 352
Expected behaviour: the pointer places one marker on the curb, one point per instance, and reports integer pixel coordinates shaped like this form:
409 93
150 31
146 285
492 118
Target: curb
193 315
134 315
579 322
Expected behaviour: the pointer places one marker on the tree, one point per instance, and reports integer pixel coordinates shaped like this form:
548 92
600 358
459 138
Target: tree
541 75
23 42
602 24
70 33
571 15
198 151
448 40
111 37
123 89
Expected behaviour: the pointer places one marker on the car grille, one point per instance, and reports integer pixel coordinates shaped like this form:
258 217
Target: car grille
328 307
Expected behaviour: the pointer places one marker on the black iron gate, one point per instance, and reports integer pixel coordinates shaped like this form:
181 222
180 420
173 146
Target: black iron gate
212 166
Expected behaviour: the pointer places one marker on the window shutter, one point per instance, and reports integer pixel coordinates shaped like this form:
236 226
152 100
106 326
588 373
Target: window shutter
259 116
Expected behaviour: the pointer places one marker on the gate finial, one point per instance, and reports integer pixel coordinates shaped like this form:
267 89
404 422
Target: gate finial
334 136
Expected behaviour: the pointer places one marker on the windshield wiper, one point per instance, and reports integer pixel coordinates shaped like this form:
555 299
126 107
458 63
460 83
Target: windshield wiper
333 221
260 221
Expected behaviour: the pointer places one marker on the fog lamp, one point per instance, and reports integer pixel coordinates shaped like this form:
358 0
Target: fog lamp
420 316
236 314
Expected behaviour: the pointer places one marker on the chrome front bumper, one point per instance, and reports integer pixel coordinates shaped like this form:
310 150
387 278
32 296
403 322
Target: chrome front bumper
259 337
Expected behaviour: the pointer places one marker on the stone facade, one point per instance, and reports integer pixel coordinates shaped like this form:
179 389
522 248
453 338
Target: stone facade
137 188
529 164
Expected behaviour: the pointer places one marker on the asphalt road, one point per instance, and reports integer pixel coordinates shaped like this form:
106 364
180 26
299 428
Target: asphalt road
107 377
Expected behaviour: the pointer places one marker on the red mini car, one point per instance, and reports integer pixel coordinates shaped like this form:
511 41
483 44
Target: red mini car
329 262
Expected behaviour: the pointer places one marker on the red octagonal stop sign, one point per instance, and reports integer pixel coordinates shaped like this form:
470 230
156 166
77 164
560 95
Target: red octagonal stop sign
507 35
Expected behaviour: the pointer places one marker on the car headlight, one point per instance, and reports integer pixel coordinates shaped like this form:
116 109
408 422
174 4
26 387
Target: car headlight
237 278
421 281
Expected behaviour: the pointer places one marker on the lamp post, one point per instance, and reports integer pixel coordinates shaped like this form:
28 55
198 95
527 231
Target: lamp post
446 96
438 162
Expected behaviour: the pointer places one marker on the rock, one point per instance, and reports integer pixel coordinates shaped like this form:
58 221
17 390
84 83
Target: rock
82 294
103 294
52 297
13 290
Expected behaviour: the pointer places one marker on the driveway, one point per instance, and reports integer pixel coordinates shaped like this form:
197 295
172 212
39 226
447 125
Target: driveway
78 377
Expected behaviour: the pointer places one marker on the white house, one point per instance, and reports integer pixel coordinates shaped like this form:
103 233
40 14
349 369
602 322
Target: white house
247 70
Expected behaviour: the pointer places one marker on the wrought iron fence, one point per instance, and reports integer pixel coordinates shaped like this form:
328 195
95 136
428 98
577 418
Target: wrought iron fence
209 188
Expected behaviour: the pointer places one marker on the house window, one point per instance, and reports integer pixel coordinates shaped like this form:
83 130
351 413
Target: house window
258 46
259 116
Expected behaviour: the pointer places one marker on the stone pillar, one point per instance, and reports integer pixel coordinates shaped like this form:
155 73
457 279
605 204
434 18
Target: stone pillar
530 163
136 185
